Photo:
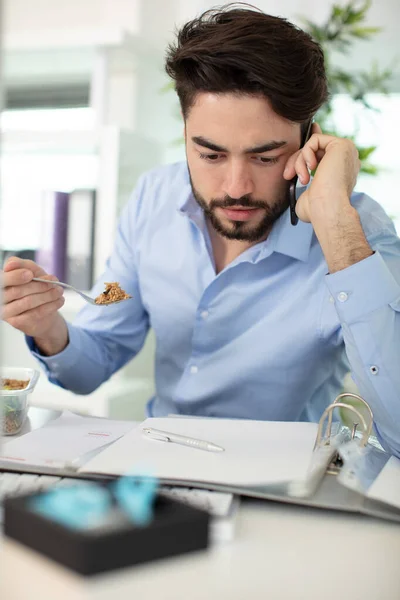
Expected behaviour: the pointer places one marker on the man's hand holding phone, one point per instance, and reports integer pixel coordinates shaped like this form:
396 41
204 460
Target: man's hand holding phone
326 202
338 166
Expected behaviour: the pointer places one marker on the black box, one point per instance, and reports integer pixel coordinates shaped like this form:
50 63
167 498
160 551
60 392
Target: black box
176 528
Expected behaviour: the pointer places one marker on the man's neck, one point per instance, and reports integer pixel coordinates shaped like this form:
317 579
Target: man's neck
226 251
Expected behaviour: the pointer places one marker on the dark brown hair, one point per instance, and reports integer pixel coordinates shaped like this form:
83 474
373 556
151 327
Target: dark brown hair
239 49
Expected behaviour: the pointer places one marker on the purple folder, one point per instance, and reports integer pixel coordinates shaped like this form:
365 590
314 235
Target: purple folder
52 253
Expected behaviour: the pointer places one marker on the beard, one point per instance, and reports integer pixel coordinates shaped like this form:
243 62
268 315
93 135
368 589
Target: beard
242 230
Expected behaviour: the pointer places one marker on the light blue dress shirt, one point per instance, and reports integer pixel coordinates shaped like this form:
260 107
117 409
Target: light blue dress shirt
269 337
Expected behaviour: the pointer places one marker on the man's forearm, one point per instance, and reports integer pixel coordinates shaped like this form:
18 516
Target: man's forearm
341 236
85 363
56 339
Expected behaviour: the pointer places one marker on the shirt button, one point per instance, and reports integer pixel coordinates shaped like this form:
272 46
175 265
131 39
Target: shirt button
331 299
204 314
374 370
194 369
342 296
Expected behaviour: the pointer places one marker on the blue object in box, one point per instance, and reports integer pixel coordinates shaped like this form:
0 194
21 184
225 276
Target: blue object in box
88 504
117 533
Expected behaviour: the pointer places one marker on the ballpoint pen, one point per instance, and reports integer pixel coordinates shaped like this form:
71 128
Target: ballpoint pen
165 436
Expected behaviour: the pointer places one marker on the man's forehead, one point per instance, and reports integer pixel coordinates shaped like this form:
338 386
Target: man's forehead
220 101
205 96
250 119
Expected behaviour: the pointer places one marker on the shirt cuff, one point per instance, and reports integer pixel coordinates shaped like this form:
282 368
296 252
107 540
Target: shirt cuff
63 360
362 288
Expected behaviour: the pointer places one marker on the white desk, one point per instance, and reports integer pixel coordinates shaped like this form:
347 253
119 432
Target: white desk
279 553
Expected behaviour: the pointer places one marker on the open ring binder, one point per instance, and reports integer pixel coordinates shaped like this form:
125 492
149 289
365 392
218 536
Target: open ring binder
328 456
338 399
344 466
328 413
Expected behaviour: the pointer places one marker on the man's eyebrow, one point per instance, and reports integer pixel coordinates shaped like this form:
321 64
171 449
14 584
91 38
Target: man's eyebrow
273 145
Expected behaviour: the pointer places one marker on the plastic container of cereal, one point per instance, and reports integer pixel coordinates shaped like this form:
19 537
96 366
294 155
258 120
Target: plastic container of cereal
15 385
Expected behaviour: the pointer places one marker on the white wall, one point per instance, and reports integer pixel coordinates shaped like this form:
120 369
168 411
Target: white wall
41 23
48 23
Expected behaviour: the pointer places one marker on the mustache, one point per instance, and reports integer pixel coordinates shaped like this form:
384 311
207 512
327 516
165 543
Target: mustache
243 202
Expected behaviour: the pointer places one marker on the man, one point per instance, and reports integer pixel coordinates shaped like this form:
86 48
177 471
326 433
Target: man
253 317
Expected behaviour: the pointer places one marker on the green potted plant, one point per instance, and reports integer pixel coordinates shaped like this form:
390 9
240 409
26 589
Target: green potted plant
344 26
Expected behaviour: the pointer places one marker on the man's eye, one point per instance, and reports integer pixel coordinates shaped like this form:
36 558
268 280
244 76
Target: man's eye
210 157
268 160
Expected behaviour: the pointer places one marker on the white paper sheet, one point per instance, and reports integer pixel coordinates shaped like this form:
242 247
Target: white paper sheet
386 486
65 439
256 452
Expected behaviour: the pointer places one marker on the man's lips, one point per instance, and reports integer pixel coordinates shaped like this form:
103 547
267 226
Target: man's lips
240 214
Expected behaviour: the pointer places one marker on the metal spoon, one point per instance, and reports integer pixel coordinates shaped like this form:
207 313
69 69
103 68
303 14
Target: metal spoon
84 296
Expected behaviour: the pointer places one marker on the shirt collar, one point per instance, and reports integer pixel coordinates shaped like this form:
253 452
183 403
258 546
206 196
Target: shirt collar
284 238
289 240
186 203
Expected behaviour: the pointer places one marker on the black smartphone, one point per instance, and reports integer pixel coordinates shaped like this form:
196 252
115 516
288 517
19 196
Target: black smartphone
293 182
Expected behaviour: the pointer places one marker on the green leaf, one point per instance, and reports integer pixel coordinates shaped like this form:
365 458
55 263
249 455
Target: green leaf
167 87
336 12
354 15
177 142
369 169
365 32
363 153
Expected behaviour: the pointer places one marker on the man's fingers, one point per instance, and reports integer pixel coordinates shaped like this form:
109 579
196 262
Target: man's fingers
316 128
15 292
302 170
310 158
22 276
294 165
14 262
28 319
17 277
30 302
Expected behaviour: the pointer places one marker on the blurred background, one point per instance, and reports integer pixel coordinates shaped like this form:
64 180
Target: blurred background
88 108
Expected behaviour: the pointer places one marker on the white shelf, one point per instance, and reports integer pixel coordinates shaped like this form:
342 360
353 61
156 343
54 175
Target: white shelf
50 142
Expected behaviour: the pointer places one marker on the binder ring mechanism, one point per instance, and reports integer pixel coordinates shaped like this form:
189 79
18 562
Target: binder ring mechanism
367 429
326 457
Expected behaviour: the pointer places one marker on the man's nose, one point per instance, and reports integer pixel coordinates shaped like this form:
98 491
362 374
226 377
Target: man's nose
238 181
